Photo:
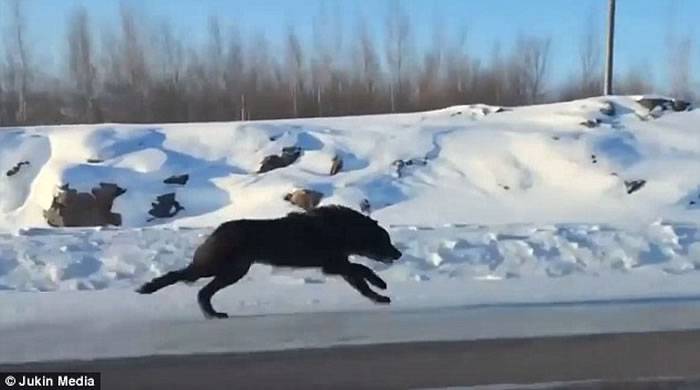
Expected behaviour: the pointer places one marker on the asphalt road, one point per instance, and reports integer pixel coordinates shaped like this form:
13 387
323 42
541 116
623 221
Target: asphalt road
614 360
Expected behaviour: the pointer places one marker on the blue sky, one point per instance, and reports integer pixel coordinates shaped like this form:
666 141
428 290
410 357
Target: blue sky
643 25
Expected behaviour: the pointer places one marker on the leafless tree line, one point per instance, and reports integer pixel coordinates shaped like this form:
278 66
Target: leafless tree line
134 74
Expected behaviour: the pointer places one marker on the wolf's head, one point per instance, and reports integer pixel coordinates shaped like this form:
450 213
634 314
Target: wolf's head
358 233
374 242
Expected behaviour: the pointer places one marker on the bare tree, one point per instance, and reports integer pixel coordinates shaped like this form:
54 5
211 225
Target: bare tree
267 77
528 68
81 67
234 71
398 31
325 60
19 61
215 49
589 80
168 100
215 64
171 55
429 78
134 67
493 83
538 62
368 60
680 67
257 76
366 71
459 84
591 61
636 81
225 76
295 69
3 99
679 56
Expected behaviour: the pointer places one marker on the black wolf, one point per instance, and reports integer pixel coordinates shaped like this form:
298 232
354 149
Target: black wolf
323 237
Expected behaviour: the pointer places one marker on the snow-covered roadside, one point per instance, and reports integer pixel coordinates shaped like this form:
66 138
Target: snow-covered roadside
474 256
86 306
512 176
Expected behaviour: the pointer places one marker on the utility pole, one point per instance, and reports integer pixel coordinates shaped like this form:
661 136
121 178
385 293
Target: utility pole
609 57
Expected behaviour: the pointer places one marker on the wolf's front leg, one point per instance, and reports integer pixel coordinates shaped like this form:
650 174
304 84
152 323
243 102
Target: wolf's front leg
360 285
369 275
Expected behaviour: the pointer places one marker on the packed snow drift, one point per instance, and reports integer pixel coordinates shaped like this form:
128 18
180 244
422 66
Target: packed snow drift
590 200
566 162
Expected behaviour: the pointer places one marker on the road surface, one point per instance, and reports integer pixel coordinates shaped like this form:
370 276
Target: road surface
627 360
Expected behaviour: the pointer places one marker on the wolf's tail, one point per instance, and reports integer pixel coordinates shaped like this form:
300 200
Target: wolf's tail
171 277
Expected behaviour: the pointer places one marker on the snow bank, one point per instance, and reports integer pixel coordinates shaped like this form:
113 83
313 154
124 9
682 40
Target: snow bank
540 164
481 260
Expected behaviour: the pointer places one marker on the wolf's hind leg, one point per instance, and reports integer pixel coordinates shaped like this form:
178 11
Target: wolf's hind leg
360 285
172 277
224 279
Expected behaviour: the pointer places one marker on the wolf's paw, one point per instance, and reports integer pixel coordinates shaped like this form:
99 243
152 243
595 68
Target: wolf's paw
380 284
375 280
145 289
382 300
210 316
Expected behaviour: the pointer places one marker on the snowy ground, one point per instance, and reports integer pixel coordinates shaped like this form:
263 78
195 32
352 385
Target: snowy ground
512 209
535 164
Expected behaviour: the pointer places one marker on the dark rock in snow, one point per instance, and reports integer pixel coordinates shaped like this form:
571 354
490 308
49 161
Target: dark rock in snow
177 179
417 161
608 109
398 165
106 193
337 165
662 104
401 164
272 162
652 103
634 185
591 123
165 206
680 105
288 157
291 150
14 170
71 208
306 199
